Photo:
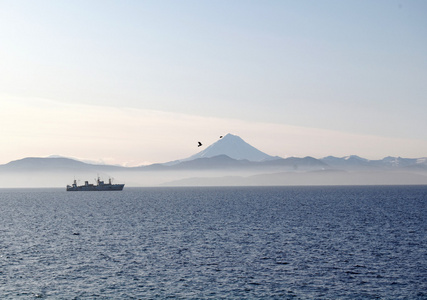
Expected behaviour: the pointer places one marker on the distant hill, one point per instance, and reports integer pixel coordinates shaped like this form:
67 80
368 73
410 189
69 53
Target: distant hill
51 172
42 164
216 162
354 162
224 162
325 177
307 162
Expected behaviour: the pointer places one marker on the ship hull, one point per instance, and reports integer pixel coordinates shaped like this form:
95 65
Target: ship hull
100 186
106 187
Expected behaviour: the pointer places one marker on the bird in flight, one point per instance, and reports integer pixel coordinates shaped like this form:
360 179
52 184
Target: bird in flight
220 137
199 144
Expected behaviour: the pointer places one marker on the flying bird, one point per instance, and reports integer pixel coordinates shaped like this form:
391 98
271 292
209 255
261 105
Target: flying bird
220 137
199 144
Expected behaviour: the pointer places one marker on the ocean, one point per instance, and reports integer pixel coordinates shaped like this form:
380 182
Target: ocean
360 242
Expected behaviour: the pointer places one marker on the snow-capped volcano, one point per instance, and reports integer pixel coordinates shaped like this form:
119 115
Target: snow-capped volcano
234 147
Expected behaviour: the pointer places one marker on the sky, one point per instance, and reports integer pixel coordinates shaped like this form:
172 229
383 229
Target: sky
140 82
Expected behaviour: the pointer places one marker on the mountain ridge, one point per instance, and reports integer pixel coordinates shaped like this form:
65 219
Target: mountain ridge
50 163
222 160
247 161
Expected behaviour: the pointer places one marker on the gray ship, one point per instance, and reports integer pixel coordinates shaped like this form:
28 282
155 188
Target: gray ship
100 186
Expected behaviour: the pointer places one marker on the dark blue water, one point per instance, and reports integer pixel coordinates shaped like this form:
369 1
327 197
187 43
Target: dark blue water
277 243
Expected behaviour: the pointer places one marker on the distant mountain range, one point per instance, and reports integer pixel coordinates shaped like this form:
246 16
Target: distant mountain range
230 155
230 152
221 162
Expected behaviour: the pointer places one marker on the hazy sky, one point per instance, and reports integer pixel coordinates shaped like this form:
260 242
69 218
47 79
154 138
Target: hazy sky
137 82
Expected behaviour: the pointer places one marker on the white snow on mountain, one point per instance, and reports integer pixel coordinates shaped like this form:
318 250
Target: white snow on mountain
355 158
234 147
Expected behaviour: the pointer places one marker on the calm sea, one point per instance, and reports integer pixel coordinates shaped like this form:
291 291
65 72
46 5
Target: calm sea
230 243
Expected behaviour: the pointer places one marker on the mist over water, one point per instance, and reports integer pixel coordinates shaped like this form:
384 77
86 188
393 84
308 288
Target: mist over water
228 177
234 242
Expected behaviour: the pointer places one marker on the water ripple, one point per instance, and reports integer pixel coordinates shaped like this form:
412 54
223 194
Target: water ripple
210 243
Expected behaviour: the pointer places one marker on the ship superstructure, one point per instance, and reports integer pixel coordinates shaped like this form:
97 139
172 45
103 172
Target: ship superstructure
100 186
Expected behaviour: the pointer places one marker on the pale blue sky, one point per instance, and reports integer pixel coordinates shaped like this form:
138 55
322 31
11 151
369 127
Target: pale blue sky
347 68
